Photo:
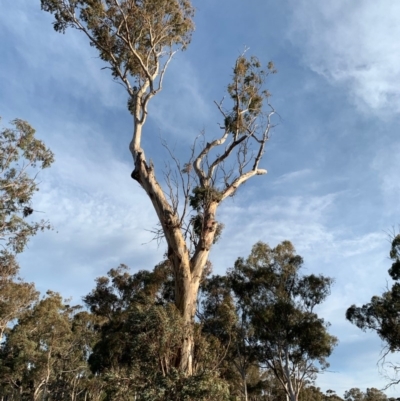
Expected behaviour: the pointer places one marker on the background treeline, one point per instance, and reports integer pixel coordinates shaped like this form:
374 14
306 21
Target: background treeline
256 335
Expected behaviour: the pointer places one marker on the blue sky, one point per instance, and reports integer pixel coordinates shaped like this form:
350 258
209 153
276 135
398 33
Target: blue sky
332 186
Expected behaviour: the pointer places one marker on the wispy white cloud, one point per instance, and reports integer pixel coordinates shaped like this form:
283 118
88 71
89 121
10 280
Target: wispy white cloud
183 109
386 165
353 44
304 220
56 58
297 218
292 176
357 262
364 373
101 217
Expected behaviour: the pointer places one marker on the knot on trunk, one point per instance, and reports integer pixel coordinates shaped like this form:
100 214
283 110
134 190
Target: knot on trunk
136 172
170 220
211 225
136 175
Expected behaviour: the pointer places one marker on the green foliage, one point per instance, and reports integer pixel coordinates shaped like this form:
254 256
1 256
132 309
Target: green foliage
247 94
312 393
197 222
382 313
115 293
218 312
262 313
371 394
278 304
16 296
21 157
141 333
133 336
202 197
131 36
200 200
46 351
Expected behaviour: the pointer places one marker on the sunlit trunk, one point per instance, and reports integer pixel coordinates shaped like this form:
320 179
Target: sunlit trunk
186 291
292 393
187 268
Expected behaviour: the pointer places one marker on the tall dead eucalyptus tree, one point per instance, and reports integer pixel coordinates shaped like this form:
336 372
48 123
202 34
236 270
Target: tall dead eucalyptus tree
137 39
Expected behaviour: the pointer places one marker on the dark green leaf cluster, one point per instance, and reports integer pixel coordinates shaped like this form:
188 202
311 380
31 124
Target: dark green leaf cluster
130 342
199 201
262 311
45 353
202 197
16 296
140 337
197 222
382 313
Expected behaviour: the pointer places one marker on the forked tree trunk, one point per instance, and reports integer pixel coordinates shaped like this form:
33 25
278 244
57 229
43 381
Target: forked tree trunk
187 268
187 282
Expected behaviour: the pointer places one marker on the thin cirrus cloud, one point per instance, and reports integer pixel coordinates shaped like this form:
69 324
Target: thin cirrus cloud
181 110
101 217
354 44
292 176
304 220
386 165
47 60
298 219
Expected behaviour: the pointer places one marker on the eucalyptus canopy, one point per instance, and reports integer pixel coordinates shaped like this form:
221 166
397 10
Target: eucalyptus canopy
288 336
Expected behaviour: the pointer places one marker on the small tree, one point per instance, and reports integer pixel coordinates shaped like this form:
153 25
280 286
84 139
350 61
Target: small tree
290 339
16 296
22 156
43 353
220 317
137 39
140 334
372 394
382 313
